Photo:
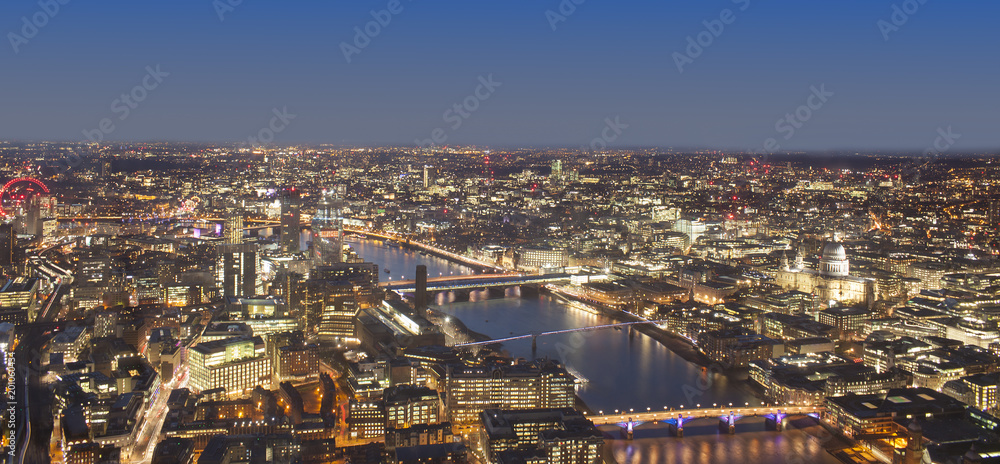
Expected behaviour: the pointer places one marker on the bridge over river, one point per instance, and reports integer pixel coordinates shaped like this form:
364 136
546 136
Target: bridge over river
775 417
475 281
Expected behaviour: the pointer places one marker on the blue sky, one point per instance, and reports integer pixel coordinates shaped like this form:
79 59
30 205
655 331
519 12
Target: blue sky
606 59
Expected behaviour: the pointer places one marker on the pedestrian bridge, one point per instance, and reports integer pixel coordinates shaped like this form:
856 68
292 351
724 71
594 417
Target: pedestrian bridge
475 281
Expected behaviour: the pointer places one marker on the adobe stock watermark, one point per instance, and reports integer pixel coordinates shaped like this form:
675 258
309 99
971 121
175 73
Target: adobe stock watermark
70 161
127 102
30 28
564 10
795 120
945 140
613 128
279 122
123 106
714 28
460 112
224 7
363 35
12 400
900 16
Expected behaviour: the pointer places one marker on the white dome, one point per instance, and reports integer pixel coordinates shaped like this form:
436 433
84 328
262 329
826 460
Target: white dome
834 262
834 251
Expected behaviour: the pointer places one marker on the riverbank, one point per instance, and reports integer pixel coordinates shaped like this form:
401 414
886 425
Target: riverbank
679 345
454 328
430 250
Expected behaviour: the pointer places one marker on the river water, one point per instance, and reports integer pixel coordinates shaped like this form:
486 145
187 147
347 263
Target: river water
622 370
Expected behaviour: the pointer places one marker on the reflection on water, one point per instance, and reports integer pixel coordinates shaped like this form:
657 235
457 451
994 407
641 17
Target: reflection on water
402 262
624 371
702 443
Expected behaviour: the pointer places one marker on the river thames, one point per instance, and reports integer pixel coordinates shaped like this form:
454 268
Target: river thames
621 370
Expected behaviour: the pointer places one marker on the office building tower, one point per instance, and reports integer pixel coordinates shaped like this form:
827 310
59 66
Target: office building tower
290 221
105 168
340 309
334 295
993 213
238 269
364 276
421 298
234 224
430 176
557 171
328 227
8 240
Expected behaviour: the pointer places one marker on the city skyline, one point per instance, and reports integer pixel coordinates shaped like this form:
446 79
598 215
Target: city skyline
499 232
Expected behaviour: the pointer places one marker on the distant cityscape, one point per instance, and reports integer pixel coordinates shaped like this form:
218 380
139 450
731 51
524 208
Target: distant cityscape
181 303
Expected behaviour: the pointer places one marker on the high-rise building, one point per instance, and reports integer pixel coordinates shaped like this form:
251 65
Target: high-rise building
340 309
106 168
290 221
334 295
557 171
994 213
236 365
363 275
328 227
430 176
238 269
234 224
8 240
421 287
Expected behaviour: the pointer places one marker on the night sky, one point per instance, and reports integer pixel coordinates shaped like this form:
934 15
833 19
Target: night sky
605 61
